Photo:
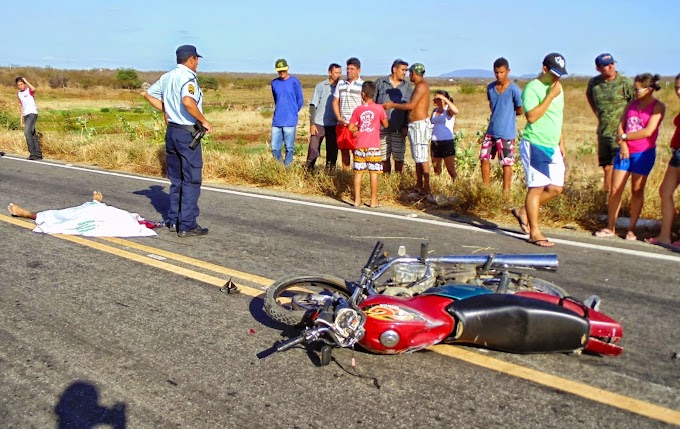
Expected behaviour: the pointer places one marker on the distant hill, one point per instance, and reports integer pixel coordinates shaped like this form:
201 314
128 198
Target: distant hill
469 73
480 74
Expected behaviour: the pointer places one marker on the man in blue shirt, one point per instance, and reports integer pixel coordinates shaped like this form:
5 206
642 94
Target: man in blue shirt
505 102
177 94
288 99
322 120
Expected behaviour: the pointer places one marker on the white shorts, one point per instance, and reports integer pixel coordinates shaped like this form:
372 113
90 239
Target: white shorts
543 166
419 134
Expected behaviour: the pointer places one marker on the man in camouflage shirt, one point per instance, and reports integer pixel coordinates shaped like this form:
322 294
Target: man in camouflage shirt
608 95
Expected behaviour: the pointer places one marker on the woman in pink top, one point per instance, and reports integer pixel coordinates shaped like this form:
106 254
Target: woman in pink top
636 137
671 180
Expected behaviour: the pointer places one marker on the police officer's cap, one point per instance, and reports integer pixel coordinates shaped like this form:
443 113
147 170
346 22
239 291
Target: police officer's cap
187 51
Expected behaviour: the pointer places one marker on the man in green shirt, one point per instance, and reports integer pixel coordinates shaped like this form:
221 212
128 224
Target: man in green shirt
542 146
608 95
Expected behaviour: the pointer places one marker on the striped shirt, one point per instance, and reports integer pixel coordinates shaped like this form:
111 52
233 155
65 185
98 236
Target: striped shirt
349 95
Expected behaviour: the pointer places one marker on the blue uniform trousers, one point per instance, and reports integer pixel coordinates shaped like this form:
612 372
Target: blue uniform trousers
185 170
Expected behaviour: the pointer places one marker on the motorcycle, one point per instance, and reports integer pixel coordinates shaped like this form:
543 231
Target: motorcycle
513 318
288 298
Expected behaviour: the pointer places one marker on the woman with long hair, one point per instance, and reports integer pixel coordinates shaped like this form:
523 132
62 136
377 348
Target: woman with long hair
443 144
636 137
671 180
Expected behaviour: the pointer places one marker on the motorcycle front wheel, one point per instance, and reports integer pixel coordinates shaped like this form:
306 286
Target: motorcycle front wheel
289 298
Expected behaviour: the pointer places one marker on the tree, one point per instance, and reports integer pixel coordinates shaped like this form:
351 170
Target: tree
128 79
208 82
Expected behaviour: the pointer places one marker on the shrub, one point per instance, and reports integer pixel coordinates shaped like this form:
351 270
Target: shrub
58 82
468 89
127 79
8 121
208 82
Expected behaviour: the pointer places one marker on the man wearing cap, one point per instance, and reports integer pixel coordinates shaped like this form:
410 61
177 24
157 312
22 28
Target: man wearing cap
608 94
177 94
542 146
322 120
419 126
397 89
288 101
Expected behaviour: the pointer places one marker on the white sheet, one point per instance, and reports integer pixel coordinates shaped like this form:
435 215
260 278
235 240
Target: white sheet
92 219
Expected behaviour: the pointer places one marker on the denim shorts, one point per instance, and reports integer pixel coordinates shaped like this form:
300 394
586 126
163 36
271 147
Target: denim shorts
639 163
675 158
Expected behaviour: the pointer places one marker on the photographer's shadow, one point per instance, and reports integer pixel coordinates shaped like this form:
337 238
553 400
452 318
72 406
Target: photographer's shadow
78 407
158 197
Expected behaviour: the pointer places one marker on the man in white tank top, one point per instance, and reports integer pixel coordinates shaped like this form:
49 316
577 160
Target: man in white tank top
29 116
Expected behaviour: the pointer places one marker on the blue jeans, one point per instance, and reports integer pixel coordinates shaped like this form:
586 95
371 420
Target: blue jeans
281 135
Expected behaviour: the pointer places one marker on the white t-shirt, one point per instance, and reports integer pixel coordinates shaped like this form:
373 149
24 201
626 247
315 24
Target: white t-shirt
27 101
443 126
92 219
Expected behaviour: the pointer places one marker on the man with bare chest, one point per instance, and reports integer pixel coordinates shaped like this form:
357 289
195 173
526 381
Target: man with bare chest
419 126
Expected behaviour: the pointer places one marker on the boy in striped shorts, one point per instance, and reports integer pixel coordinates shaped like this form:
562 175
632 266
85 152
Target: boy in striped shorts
365 125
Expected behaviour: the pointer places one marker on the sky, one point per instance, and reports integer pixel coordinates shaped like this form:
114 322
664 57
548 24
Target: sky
249 35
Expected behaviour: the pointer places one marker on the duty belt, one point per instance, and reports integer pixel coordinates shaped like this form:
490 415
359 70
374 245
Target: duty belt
190 128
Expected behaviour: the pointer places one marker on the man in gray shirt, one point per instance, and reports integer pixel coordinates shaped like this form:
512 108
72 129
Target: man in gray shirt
322 120
397 89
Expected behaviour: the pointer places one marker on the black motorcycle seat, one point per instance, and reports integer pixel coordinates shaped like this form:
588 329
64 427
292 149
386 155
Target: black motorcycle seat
517 324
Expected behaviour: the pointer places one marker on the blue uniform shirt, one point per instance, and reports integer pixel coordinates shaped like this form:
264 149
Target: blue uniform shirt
172 87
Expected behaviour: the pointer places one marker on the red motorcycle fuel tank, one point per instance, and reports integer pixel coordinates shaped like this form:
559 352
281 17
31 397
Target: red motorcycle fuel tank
397 325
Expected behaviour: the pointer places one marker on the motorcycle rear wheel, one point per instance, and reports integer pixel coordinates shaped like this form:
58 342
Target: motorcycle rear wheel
289 298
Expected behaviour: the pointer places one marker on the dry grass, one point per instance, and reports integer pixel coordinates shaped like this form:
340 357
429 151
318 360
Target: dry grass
238 151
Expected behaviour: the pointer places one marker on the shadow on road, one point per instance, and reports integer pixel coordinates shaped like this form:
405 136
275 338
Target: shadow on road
158 197
78 407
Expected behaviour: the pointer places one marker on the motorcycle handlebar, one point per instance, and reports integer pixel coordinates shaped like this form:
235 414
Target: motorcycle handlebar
307 335
374 254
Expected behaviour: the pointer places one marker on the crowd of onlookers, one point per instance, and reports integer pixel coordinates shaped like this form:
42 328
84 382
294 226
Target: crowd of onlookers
367 123
371 121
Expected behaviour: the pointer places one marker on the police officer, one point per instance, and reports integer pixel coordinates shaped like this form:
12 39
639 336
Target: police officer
177 94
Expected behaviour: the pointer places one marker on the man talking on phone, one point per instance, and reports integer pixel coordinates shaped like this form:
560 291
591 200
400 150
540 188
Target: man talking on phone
177 94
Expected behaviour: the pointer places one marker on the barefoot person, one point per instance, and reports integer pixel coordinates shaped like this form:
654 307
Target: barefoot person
443 139
542 145
419 125
636 137
91 219
670 182
505 103
365 125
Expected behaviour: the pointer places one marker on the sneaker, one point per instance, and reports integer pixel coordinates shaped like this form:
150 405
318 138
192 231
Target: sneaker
192 232
172 226
32 158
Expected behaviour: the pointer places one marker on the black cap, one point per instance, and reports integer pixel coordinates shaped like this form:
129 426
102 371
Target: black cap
556 64
186 51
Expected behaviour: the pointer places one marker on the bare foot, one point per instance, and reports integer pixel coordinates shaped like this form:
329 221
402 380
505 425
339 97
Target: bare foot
15 210
630 236
358 203
97 196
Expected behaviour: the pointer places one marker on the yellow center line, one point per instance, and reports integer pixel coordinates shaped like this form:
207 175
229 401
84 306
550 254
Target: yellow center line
586 391
205 278
190 261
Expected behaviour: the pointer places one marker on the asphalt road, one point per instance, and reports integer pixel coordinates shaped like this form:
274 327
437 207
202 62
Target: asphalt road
89 336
